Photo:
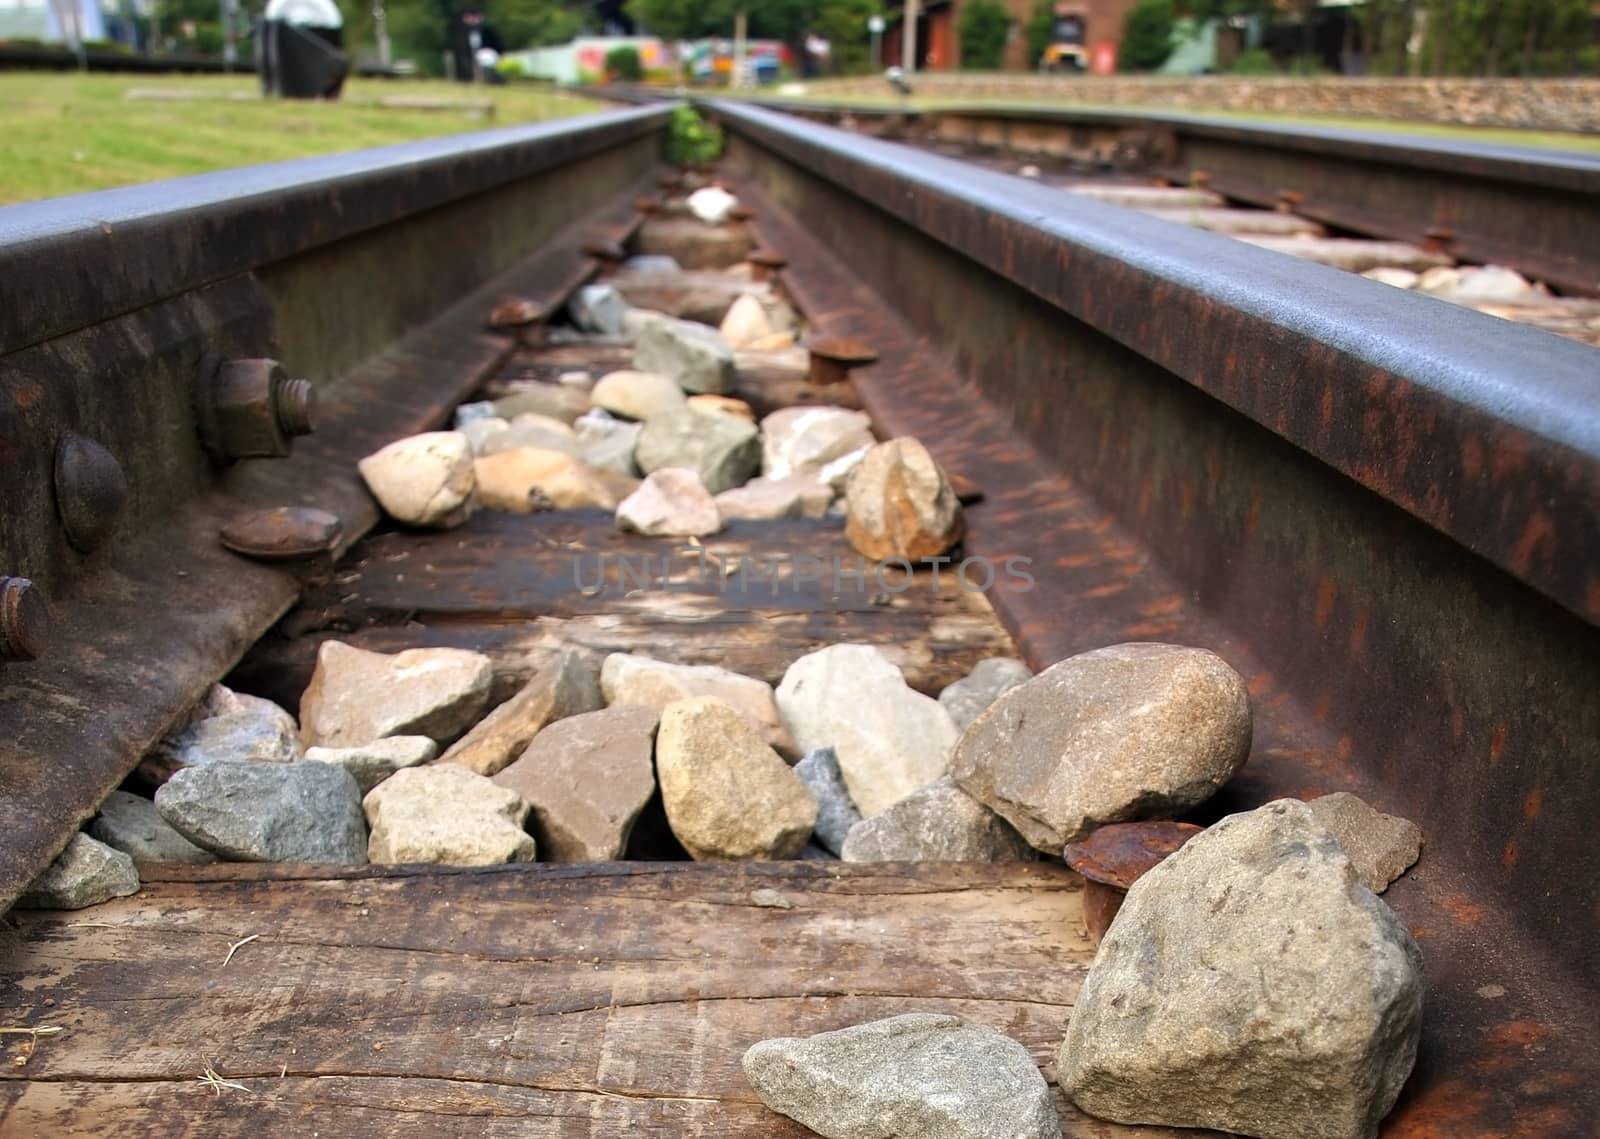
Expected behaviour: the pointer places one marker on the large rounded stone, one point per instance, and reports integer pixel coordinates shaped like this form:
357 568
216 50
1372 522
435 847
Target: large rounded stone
722 450
890 739
899 504
1249 984
268 812
727 794
922 1075
423 480
448 815
356 696
1133 731
939 823
637 395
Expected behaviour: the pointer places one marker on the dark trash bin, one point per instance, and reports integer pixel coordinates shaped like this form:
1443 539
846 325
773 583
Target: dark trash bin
300 49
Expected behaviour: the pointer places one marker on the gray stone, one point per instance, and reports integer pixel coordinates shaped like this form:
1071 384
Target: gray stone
558 401
356 696
637 395
822 442
446 815
607 444
598 308
1250 984
531 429
693 356
480 433
423 480
258 812
671 502
372 763
130 823
819 770
1128 732
925 1075
798 496
652 263
228 726
1381 847
627 678
990 679
939 823
722 450
85 874
587 778
473 413
728 796
566 686
890 739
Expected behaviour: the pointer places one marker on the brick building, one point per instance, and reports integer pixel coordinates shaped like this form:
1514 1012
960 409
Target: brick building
939 47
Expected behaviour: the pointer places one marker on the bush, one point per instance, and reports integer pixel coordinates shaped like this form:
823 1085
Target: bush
1254 61
983 29
1040 30
623 63
1147 35
692 141
1308 66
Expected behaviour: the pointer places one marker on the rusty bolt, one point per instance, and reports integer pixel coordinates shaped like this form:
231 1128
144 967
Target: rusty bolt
90 490
515 312
765 262
1200 179
647 205
251 409
24 620
1114 857
283 533
1437 238
1289 201
740 213
832 357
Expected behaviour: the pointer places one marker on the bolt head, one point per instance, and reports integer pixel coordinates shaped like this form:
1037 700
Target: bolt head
282 533
24 620
90 490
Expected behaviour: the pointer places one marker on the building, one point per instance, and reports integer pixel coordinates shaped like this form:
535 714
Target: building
1099 23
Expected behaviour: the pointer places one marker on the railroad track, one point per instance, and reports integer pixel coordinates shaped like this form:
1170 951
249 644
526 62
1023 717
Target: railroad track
1382 511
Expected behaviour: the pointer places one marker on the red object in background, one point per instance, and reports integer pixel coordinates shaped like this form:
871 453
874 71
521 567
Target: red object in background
1103 59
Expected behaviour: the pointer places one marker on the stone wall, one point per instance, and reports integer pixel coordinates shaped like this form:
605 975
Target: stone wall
1542 104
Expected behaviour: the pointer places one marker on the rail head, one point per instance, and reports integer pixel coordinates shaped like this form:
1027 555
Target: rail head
71 262
1487 431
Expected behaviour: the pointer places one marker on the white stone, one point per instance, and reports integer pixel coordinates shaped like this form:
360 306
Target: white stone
747 322
423 480
671 502
370 764
890 739
637 395
447 815
711 204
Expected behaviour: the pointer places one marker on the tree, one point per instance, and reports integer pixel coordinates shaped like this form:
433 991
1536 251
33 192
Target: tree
623 63
842 22
1147 35
983 29
1040 31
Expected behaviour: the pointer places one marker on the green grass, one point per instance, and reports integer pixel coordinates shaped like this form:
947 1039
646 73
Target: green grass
1542 140
63 134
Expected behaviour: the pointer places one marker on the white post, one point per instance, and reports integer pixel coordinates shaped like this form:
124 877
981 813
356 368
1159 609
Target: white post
741 26
380 23
908 52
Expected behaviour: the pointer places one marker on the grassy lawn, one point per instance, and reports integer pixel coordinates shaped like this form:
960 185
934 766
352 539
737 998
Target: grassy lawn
62 134
1542 140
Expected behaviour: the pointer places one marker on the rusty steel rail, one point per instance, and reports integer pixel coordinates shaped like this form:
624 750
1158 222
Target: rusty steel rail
1537 211
1384 511
137 328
